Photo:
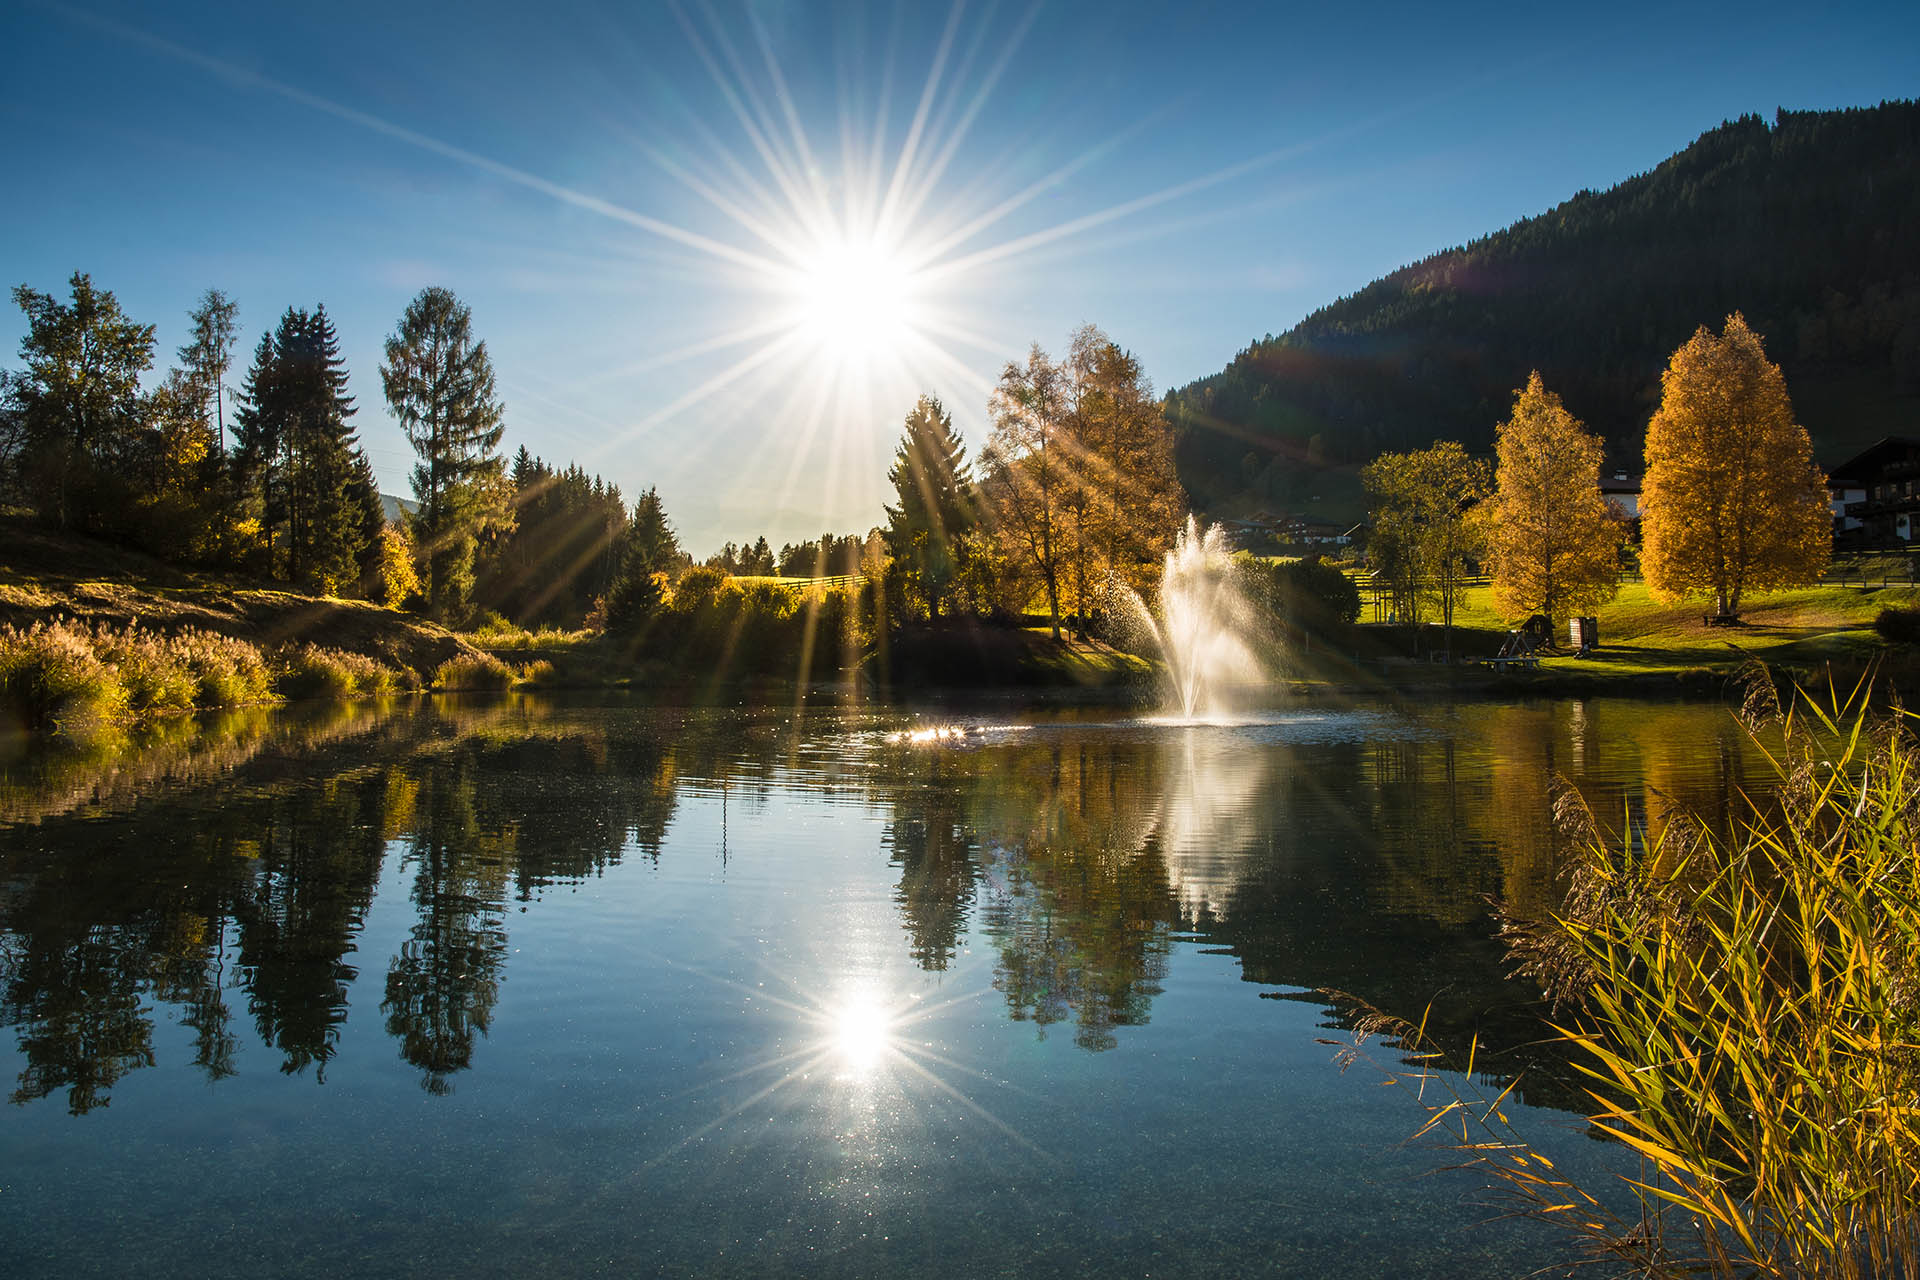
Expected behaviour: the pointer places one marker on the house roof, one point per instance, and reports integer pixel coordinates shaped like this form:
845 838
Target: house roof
1620 482
1865 464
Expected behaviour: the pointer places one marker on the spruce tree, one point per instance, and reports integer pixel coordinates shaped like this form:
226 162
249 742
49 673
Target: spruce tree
296 450
439 384
259 422
329 517
935 508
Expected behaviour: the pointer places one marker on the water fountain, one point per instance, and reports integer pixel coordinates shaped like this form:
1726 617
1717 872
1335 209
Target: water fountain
1203 628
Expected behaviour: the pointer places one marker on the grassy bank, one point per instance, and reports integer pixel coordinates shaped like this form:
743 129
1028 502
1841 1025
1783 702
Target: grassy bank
93 634
1644 644
46 575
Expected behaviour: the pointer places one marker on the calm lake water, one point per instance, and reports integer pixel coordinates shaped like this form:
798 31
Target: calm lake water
515 986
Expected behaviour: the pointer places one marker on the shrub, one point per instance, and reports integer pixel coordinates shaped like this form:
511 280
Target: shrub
308 671
393 566
473 672
634 601
1898 625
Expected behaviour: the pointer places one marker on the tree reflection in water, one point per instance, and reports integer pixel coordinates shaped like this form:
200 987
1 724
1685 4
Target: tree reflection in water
1358 857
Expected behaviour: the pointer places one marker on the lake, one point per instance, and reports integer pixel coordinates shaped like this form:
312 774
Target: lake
504 986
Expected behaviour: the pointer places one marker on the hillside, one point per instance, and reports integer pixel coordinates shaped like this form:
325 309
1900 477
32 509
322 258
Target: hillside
1810 226
46 574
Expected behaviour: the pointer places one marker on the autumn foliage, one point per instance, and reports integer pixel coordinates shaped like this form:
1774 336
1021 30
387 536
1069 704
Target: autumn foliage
1553 540
1732 502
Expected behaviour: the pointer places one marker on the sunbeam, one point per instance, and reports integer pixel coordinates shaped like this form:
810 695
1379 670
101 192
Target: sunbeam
849 273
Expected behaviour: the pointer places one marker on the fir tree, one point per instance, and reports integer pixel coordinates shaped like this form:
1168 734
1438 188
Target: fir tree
935 504
439 384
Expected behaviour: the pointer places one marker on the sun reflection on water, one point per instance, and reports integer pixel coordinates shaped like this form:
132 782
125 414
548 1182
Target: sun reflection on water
861 1035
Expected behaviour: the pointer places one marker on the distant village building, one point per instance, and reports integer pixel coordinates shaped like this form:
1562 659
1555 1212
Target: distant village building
1264 528
1876 494
1622 489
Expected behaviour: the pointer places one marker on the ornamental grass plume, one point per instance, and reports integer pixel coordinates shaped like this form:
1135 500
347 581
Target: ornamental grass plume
52 677
1746 1011
472 672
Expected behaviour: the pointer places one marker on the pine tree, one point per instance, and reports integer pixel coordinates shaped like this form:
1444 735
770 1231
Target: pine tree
1553 541
439 384
935 504
1732 502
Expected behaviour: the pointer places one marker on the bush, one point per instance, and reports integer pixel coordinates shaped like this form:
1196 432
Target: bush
1898 626
1309 594
308 671
471 672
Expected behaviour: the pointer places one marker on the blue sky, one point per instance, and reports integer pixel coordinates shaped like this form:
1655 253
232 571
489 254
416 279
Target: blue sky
603 185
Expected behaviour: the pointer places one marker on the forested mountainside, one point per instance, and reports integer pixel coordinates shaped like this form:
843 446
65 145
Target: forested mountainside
1810 226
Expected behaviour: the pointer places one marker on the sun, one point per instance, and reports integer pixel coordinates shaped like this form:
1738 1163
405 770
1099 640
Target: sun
854 298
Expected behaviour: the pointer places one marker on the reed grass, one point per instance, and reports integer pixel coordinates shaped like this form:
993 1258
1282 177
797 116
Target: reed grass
310 671
61 675
53 677
1746 1011
473 672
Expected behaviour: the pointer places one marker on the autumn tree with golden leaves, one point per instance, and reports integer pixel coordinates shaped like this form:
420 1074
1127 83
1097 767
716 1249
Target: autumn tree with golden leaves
1732 502
1553 540
1078 481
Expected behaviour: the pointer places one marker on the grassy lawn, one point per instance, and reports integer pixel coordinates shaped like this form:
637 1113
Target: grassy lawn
1805 626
